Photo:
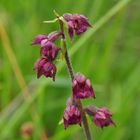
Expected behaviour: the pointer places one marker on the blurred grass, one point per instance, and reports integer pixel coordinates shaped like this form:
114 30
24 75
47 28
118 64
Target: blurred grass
110 58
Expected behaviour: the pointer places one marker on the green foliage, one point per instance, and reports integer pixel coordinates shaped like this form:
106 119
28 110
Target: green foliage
108 54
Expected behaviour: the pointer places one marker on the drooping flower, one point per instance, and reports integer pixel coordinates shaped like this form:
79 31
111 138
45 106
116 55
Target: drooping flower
76 23
82 87
39 38
45 67
51 37
49 49
54 35
71 116
102 117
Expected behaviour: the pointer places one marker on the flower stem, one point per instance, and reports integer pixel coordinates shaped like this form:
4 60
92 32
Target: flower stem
71 72
69 65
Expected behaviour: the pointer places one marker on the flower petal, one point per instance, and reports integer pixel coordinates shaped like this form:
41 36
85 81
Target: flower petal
39 38
70 29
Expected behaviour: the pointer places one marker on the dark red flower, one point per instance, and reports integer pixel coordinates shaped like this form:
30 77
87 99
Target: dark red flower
77 23
45 67
82 87
71 116
49 50
102 117
54 35
39 38
51 37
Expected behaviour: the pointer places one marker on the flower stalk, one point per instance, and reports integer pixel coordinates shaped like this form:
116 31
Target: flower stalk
71 72
75 112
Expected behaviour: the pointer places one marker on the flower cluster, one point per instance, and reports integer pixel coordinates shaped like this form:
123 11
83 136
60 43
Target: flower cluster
81 86
48 52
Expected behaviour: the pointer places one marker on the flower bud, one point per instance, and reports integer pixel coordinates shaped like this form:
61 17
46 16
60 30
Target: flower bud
82 87
71 101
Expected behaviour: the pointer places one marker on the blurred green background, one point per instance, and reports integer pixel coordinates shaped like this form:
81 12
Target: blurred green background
108 54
